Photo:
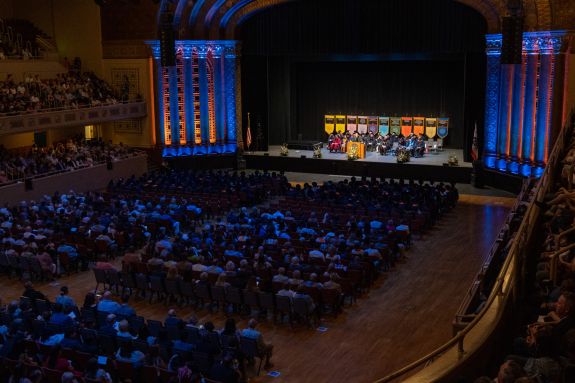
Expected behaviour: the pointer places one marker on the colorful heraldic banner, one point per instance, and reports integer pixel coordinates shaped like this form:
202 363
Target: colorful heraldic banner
340 124
430 127
362 124
329 123
384 126
352 124
395 125
442 127
406 127
372 124
418 127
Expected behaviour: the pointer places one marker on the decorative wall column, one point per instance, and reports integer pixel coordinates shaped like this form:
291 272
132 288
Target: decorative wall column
198 98
519 104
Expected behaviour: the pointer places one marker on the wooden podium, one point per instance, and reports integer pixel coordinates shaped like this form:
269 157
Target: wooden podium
360 148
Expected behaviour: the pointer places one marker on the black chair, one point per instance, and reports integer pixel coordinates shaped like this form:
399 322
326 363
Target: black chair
101 277
106 344
202 361
303 310
283 307
218 295
142 284
128 282
202 292
251 300
174 332
249 348
154 327
172 289
157 287
186 290
234 297
267 303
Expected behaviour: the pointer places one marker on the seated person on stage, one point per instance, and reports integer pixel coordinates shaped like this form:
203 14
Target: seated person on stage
335 144
420 147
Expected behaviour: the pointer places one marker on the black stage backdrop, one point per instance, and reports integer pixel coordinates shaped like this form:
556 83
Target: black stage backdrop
303 59
388 88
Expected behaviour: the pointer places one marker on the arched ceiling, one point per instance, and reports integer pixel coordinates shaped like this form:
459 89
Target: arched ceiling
219 19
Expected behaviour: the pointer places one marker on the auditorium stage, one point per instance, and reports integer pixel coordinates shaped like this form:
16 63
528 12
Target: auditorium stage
429 167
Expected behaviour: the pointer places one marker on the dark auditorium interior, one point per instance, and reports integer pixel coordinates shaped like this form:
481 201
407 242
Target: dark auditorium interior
236 191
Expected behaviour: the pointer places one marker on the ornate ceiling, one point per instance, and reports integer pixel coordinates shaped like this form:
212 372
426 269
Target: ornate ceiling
218 19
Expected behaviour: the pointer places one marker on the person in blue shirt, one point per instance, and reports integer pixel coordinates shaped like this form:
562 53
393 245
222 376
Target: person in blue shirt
107 304
64 299
125 310
65 248
127 354
59 318
265 348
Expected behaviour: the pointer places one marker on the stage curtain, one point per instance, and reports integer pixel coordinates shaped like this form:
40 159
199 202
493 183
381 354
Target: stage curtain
406 126
418 127
329 125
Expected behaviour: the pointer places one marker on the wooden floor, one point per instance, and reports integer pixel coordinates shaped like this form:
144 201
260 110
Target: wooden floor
406 315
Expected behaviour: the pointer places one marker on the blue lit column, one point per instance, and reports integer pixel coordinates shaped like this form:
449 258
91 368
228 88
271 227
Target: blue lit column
219 96
530 108
519 103
230 57
492 100
226 102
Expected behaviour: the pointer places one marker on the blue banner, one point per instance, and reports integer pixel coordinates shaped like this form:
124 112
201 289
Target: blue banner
384 126
442 127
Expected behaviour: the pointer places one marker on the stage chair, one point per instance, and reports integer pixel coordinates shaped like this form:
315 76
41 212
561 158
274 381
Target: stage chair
440 144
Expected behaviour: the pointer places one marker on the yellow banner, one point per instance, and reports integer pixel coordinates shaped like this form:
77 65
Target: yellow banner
340 123
430 127
329 123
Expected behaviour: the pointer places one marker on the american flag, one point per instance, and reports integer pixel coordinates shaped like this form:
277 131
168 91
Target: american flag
249 134
474 145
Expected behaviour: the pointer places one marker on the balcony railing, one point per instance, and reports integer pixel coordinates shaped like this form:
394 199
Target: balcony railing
49 119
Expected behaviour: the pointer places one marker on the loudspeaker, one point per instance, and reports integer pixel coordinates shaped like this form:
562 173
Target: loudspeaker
167 40
266 154
28 184
303 156
512 41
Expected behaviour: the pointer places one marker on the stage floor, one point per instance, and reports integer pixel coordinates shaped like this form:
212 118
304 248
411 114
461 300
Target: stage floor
433 159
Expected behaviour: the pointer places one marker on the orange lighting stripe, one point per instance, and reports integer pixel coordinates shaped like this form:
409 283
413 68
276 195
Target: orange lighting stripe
509 108
152 101
522 107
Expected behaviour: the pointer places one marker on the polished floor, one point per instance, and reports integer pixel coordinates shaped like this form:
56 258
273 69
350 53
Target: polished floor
407 314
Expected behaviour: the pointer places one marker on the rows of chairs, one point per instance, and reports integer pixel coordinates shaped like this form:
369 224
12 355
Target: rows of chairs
328 301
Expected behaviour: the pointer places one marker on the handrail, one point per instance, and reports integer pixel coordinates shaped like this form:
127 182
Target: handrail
62 109
506 276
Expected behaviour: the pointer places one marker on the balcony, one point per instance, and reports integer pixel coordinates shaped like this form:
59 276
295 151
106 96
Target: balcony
49 119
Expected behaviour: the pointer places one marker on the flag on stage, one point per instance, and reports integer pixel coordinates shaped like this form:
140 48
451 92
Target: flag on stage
474 145
249 134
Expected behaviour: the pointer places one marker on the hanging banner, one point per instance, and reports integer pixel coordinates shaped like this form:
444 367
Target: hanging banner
352 124
395 125
362 124
372 124
406 126
442 127
418 125
384 126
430 127
329 123
340 124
